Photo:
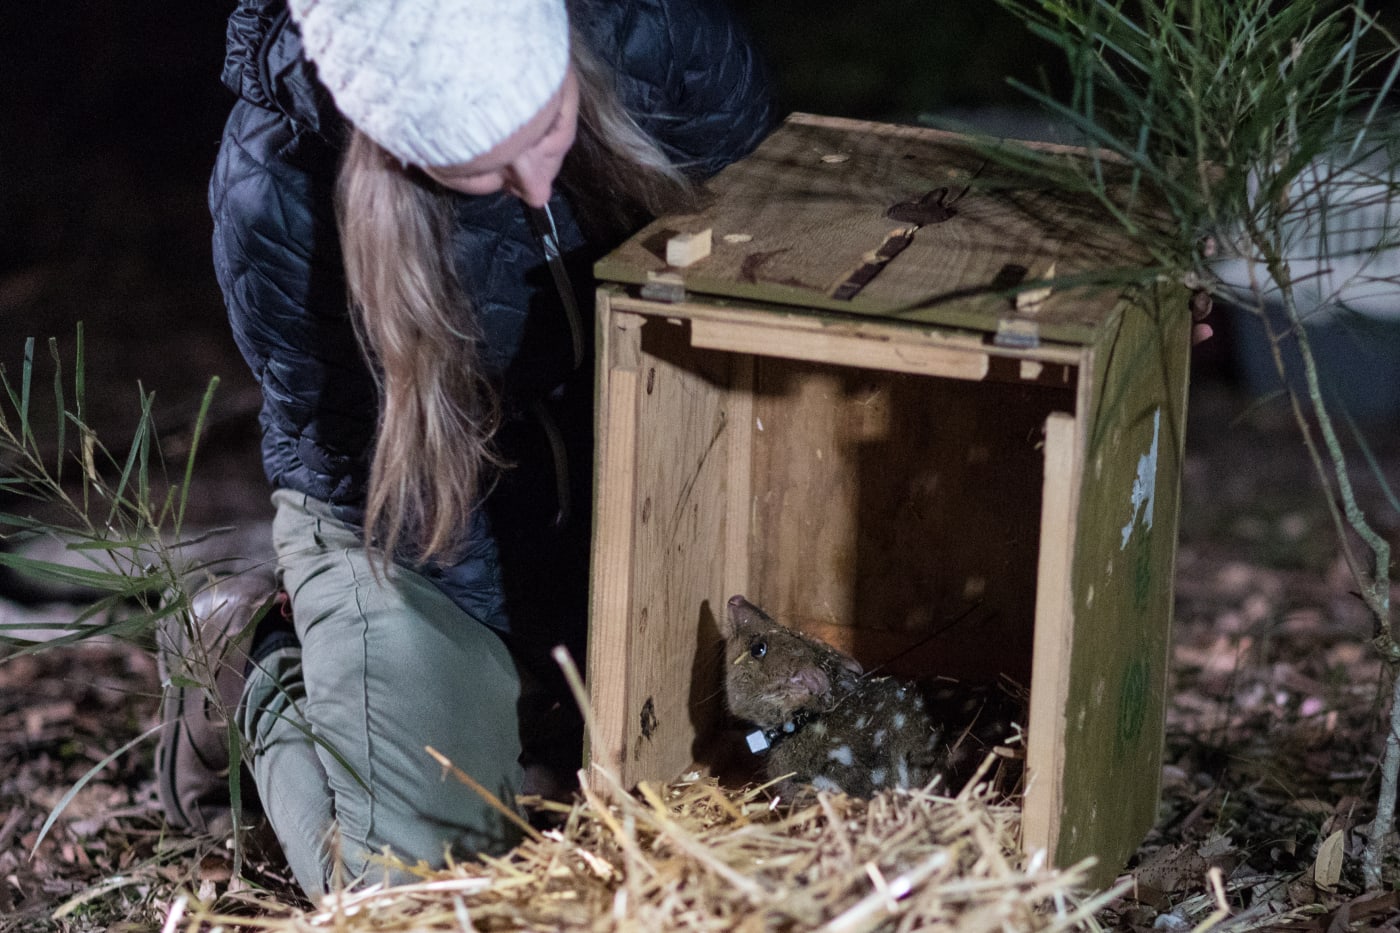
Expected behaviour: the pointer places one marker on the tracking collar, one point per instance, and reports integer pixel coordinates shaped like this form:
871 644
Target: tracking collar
761 740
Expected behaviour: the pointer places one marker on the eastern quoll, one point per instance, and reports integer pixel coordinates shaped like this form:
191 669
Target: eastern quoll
825 722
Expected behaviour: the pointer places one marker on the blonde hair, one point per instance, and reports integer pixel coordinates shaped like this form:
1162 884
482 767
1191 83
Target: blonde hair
615 174
432 453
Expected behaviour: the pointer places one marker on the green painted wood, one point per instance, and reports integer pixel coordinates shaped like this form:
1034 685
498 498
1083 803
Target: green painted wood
795 218
1123 583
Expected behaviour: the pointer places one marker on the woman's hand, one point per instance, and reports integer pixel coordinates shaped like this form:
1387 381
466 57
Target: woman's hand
1201 306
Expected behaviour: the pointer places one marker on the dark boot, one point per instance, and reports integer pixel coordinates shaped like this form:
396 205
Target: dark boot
203 661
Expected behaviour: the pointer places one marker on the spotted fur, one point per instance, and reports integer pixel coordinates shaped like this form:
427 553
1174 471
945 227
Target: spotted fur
846 731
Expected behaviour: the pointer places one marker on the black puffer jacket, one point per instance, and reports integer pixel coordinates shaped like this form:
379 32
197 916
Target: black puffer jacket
692 81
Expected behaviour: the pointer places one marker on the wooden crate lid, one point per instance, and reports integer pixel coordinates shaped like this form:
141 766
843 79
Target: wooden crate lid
799 216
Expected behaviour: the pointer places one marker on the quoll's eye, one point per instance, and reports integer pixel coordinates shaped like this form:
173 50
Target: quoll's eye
758 649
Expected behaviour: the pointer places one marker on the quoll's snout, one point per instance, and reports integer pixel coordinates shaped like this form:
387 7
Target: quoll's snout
810 680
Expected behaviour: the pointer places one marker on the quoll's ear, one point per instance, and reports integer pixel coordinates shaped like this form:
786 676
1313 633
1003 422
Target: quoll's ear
824 652
848 662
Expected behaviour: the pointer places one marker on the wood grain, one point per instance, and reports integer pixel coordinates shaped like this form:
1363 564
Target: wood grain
619 339
682 471
886 474
809 221
1123 584
905 508
1054 635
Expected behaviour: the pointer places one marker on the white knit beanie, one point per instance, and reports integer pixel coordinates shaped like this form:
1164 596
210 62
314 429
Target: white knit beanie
437 82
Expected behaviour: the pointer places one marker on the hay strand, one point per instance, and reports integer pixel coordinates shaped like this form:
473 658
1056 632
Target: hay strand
696 857
482 792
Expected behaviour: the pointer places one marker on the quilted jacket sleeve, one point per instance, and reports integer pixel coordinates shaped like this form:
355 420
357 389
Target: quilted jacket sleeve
278 263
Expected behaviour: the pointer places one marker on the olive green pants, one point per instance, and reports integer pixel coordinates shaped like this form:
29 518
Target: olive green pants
337 728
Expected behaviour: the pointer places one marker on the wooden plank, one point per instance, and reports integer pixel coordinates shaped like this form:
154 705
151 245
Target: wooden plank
904 508
790 222
619 339
869 469
808 421
855 126
1135 399
1054 631
679 535
738 531
786 322
845 349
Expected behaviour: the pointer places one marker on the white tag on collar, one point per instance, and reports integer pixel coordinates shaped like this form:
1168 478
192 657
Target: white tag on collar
758 742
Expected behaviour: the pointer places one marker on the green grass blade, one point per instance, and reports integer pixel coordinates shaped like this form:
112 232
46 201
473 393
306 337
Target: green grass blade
86 440
27 525
1373 116
82 782
147 443
331 750
80 376
235 790
60 407
26 379
199 423
52 572
134 457
129 628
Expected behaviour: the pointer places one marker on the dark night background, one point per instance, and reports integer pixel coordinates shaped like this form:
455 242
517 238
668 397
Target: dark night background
111 120
111 116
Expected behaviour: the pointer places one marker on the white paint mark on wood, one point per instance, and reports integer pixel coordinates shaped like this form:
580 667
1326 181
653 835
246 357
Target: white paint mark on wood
1144 495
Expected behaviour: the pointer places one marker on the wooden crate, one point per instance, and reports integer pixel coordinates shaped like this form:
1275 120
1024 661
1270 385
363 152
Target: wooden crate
920 459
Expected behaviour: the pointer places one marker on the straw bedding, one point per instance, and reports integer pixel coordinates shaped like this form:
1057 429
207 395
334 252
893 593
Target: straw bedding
694 856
